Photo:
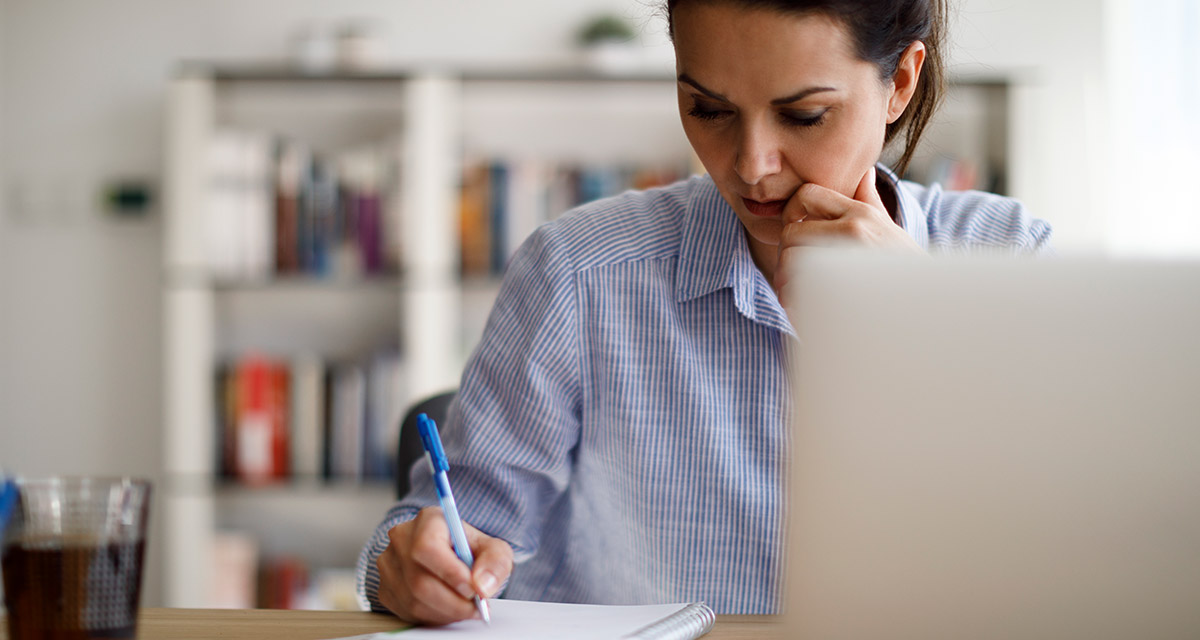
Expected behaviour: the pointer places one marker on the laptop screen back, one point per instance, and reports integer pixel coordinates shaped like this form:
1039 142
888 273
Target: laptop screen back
994 448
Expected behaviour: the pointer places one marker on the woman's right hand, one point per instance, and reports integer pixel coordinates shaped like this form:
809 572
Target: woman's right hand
421 580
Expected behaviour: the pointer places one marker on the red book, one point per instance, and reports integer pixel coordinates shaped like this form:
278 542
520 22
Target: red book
293 583
256 417
280 403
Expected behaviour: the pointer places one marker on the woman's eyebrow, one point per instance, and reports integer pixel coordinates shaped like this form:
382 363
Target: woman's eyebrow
685 78
799 95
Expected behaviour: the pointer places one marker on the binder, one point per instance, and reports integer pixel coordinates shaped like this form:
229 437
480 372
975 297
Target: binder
692 621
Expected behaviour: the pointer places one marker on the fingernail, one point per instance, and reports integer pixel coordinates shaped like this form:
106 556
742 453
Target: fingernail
465 591
486 582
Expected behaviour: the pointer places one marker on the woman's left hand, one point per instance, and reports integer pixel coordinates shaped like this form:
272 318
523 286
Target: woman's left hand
819 216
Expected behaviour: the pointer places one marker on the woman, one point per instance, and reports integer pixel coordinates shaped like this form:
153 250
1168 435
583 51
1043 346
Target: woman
620 432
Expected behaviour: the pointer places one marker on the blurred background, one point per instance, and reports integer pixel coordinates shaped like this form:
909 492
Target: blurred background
238 239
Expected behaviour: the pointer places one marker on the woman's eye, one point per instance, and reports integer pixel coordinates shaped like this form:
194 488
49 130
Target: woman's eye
804 119
706 113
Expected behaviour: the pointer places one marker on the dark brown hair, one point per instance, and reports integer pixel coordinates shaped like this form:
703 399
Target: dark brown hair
881 30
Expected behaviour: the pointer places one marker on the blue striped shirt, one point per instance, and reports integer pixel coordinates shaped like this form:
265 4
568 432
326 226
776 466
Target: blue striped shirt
623 422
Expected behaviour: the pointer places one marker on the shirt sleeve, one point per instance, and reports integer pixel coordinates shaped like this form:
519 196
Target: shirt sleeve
513 427
974 221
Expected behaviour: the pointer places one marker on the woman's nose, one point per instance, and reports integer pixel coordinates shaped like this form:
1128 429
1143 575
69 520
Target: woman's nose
758 155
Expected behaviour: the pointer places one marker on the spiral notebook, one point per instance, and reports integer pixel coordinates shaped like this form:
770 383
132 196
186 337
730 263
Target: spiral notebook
523 620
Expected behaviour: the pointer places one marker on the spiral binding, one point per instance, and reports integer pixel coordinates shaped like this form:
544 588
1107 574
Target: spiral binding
692 621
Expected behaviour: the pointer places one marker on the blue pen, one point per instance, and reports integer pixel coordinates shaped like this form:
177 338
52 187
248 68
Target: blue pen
437 460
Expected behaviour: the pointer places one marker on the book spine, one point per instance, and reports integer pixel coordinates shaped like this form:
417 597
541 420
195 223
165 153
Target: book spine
280 403
225 414
526 202
474 228
256 196
221 224
234 557
370 232
322 219
255 429
385 408
498 215
307 430
290 167
346 423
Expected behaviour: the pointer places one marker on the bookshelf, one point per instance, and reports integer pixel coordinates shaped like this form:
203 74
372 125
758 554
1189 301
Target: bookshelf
428 126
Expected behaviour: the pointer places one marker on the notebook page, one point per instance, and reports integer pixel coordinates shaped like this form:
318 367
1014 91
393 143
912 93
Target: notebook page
522 620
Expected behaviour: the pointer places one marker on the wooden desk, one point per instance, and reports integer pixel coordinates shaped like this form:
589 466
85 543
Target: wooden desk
262 624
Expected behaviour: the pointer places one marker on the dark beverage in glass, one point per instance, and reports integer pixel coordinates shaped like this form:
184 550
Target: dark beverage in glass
72 558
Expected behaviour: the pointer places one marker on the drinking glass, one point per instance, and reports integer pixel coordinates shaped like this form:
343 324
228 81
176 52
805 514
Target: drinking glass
72 558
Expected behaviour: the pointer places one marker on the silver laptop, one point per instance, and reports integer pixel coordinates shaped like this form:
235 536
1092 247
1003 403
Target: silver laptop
994 448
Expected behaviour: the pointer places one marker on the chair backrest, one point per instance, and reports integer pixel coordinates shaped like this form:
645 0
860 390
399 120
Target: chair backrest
409 449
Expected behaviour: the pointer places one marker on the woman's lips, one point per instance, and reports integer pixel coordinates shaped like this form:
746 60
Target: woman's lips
768 209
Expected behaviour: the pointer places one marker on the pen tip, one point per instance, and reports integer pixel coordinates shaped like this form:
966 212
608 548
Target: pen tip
483 610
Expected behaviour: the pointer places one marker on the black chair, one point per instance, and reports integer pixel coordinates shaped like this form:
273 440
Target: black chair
410 449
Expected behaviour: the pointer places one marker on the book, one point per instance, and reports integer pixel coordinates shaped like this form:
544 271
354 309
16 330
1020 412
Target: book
308 416
305 418
260 427
281 418
474 229
346 422
503 200
498 214
291 163
386 403
283 583
234 559
222 228
527 186
524 620
240 229
225 414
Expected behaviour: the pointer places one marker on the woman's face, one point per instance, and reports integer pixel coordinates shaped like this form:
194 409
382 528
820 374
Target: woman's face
771 101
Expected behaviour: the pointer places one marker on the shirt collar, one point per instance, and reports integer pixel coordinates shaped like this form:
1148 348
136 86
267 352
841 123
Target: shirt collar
711 239
714 255
910 212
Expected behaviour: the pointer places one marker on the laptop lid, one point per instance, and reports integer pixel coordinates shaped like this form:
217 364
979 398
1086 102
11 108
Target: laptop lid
994 448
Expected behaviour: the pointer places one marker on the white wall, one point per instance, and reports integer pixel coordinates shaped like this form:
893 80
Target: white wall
81 97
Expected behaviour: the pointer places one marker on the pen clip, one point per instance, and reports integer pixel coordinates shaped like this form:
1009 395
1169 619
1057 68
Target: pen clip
433 443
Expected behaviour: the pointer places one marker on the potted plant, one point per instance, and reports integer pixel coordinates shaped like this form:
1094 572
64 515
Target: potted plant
607 42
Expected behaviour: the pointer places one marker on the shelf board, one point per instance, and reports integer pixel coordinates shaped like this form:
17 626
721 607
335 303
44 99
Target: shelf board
481 283
187 278
305 487
299 282
284 73
229 488
193 277
567 75
281 72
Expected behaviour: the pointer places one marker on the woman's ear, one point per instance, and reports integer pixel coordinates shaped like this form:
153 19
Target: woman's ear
904 82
